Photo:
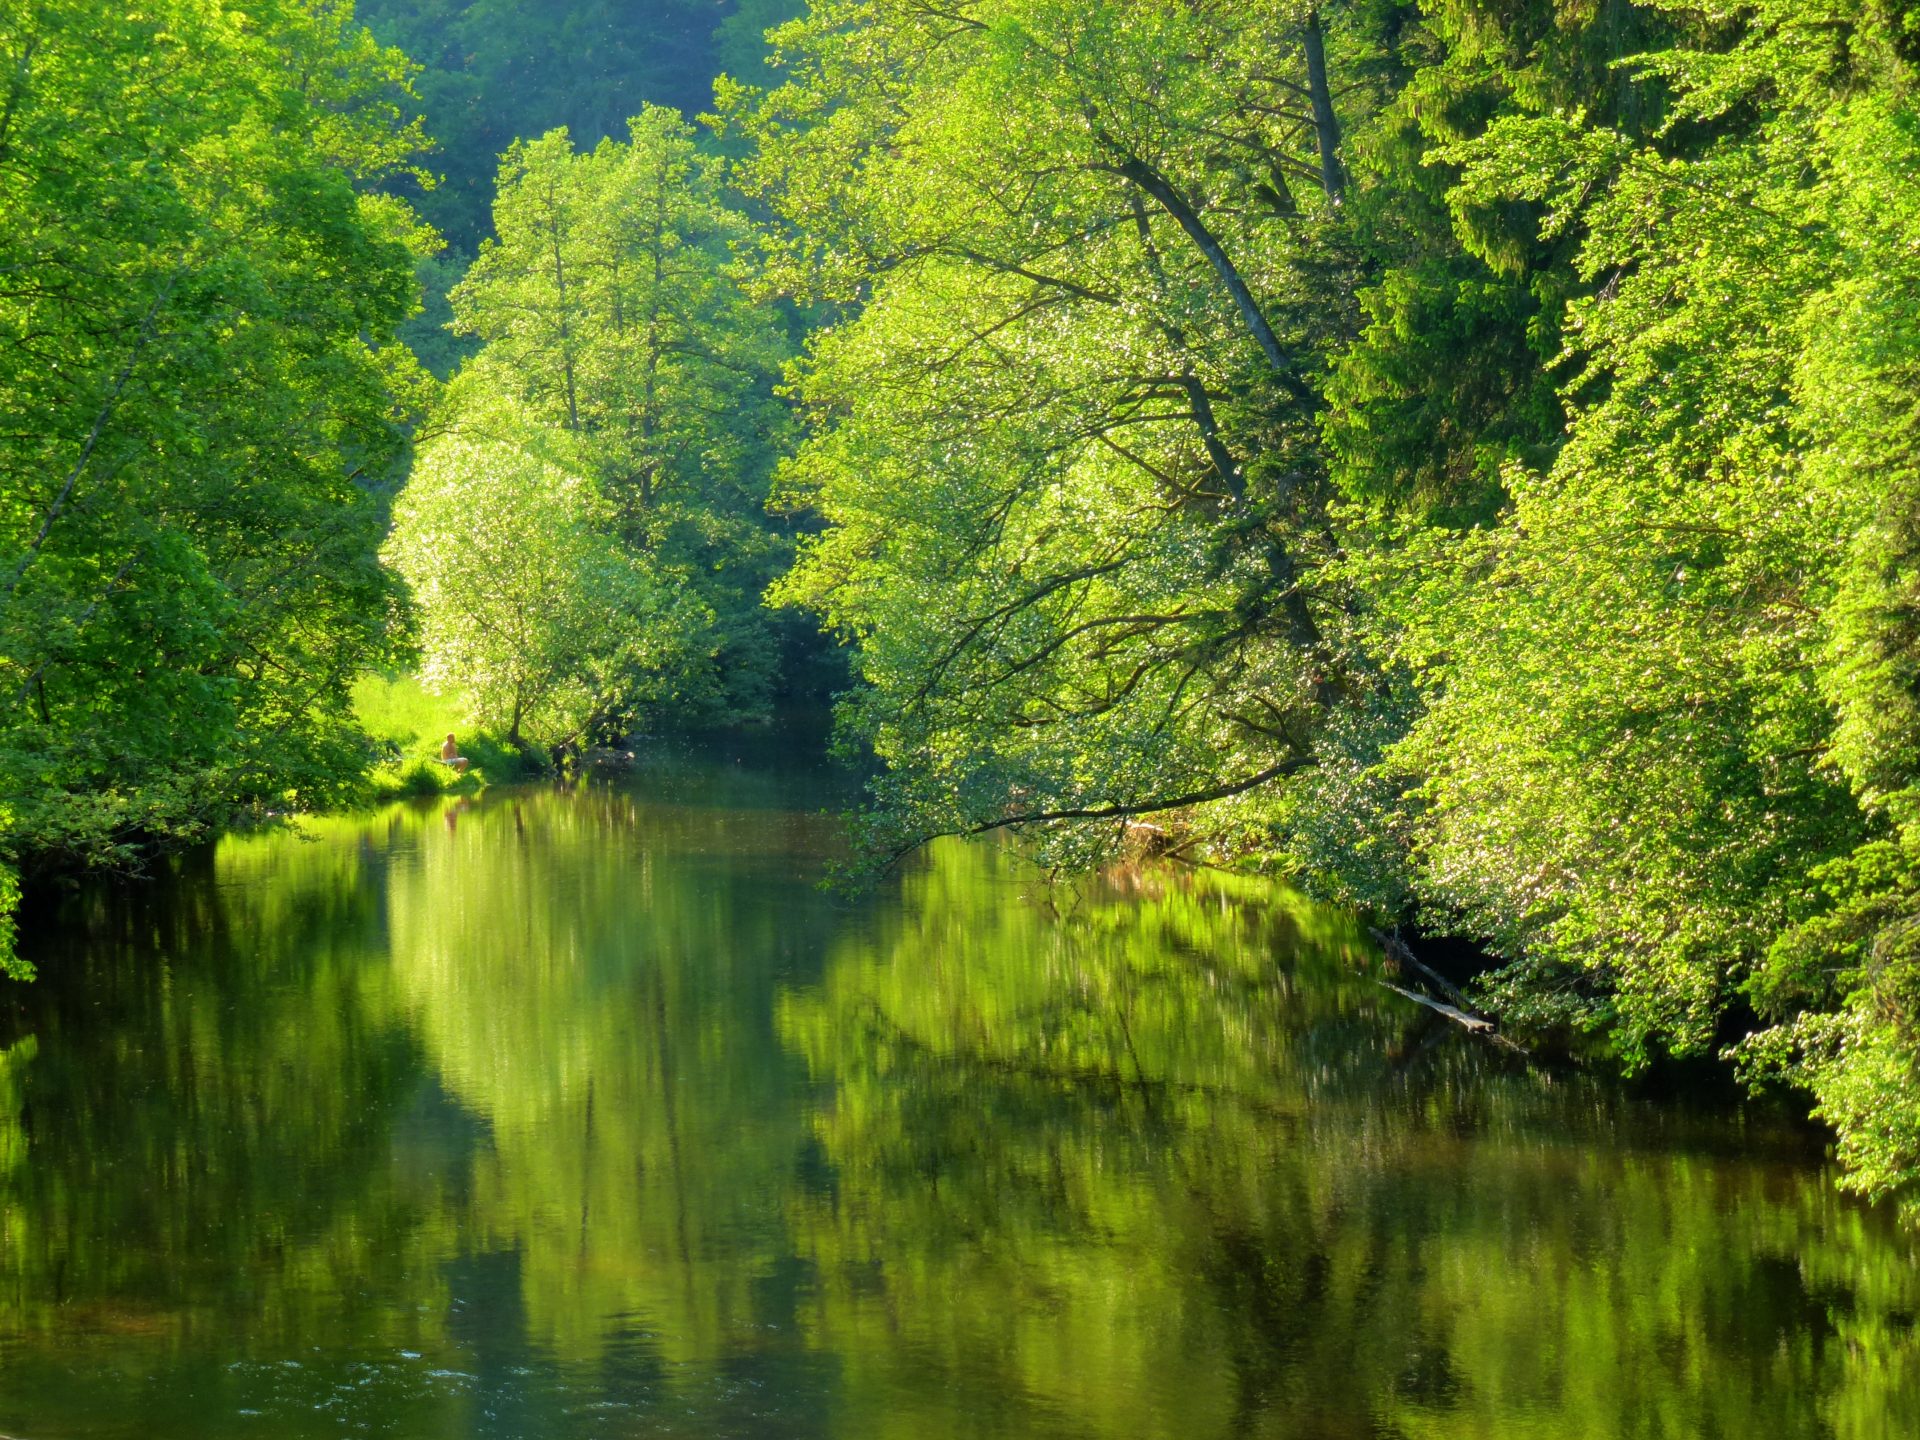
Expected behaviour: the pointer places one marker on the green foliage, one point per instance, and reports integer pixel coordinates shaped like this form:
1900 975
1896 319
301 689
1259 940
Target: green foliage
528 606
205 406
407 724
1464 455
1448 377
10 962
617 345
497 71
1501 513
1655 684
1442 390
1673 691
402 713
429 334
1064 440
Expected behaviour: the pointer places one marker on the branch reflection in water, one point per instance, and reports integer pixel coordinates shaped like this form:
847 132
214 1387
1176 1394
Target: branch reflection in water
588 1113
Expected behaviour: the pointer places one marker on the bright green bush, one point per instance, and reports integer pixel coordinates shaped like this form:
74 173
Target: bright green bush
10 961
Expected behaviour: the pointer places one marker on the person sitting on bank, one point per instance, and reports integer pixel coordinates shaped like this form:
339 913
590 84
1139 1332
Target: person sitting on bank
450 755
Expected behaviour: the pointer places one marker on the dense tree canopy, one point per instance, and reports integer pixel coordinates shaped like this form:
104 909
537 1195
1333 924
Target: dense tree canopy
1463 456
202 407
497 71
210 410
617 341
529 606
1068 446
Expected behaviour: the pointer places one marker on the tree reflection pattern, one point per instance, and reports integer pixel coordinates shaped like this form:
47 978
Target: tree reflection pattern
972 1157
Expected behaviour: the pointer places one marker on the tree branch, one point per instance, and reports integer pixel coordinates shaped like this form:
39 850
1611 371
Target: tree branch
1132 168
1111 812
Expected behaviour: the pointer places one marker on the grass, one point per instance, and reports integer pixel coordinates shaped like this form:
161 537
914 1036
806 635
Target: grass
408 722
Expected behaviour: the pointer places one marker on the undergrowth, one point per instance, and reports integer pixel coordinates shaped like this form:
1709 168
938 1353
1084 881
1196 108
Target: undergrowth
406 723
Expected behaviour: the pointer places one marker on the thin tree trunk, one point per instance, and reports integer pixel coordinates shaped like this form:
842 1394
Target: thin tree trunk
1326 125
566 322
1303 631
1223 462
649 411
1175 204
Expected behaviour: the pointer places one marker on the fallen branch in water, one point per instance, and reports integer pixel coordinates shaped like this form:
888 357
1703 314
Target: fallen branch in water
1478 1024
1401 954
1398 954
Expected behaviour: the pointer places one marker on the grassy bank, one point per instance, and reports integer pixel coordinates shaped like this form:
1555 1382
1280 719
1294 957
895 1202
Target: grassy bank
408 722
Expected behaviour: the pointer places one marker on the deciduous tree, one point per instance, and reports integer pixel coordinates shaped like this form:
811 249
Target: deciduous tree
203 409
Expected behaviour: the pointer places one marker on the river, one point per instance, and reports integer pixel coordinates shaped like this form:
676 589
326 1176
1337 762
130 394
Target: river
590 1113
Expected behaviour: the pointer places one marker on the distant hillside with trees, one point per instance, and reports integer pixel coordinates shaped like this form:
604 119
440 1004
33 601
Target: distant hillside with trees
499 70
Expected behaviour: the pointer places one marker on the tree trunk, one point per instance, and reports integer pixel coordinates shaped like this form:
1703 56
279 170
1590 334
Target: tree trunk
1223 462
1326 125
1175 204
566 322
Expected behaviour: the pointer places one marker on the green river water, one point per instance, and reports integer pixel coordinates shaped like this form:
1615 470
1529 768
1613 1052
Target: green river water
588 1113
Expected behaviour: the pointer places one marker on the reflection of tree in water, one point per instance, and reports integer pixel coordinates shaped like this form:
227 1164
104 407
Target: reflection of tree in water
197 1134
589 980
611 1083
1169 1166
593 979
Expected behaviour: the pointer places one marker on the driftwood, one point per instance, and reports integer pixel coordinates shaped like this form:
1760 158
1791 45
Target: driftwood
1459 1011
1478 1024
1401 954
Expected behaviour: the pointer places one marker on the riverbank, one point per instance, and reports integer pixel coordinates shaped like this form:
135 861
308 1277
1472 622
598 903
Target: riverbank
407 723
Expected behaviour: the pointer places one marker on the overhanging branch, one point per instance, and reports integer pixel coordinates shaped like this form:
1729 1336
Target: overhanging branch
1224 791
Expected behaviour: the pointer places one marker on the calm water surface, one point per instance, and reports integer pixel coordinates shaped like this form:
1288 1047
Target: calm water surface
588 1114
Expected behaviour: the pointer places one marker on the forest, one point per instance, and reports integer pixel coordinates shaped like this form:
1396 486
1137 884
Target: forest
1459 456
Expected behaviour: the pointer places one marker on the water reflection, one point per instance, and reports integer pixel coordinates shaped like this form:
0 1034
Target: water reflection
588 1114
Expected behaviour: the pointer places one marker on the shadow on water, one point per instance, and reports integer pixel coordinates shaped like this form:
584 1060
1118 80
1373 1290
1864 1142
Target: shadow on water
586 1112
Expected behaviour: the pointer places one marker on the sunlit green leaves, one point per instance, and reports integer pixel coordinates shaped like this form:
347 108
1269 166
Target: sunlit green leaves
1611 341
613 316
204 409
529 605
1061 428
1672 692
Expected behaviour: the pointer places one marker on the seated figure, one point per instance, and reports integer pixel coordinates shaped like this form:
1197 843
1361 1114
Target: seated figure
450 755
